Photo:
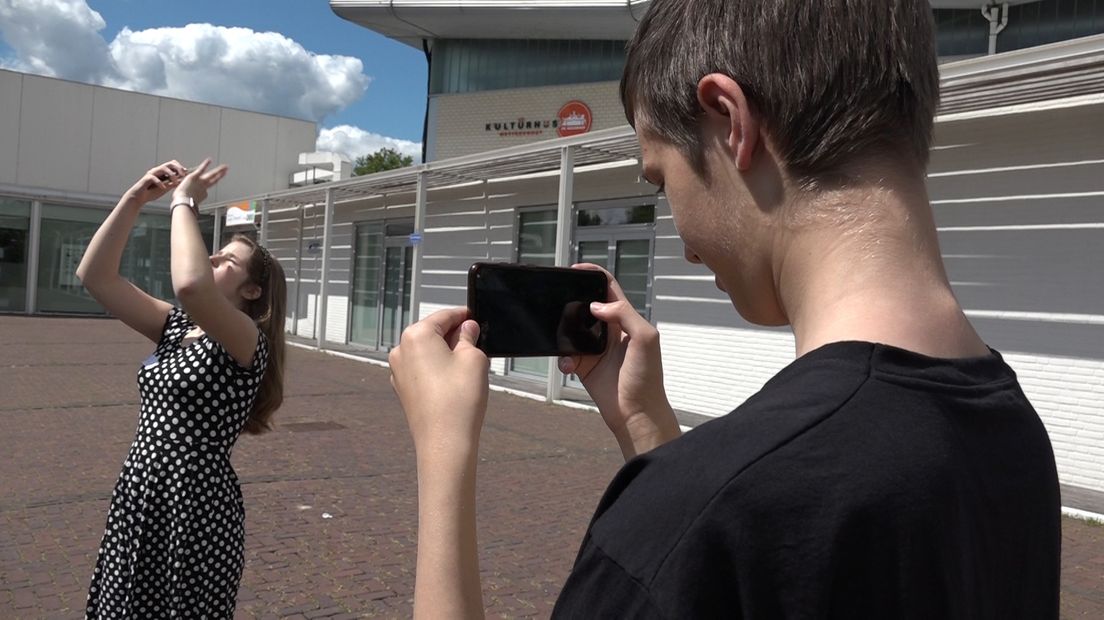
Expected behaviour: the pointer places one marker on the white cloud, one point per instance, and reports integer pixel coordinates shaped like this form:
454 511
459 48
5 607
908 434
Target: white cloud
235 67
353 142
57 38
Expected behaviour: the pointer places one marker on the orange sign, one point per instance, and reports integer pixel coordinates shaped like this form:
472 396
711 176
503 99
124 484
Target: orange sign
240 213
575 118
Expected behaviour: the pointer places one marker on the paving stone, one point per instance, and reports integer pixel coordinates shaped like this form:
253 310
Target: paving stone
341 448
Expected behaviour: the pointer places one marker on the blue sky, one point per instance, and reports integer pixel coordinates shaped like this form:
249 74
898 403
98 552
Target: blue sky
391 106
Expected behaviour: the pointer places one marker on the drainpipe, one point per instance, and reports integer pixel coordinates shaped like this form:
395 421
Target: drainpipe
216 233
419 249
554 387
429 82
997 14
298 275
324 276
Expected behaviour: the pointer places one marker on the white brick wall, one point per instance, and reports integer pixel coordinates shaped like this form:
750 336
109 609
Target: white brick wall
1014 240
1068 393
711 370
461 119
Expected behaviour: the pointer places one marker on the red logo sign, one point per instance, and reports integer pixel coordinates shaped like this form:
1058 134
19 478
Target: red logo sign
575 118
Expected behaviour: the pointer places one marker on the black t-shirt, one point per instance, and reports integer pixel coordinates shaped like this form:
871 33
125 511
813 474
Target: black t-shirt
862 481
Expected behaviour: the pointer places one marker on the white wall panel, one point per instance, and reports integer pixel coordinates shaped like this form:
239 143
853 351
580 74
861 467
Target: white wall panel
247 143
337 313
307 323
11 102
292 138
55 143
340 278
188 132
124 139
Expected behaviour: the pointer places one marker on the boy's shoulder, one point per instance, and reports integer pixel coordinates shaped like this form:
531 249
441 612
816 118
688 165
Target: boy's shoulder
684 476
850 424
849 447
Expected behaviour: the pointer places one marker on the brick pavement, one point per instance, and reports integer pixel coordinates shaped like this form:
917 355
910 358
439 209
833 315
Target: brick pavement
330 494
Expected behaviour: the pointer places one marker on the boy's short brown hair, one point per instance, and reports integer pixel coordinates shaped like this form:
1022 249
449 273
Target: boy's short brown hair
833 80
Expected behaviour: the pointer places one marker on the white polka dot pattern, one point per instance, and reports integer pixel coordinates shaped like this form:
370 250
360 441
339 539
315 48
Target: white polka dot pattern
175 533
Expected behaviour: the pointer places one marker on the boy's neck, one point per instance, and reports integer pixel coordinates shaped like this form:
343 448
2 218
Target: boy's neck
872 272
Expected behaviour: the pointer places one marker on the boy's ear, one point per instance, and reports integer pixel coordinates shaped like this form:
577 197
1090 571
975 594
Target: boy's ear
728 112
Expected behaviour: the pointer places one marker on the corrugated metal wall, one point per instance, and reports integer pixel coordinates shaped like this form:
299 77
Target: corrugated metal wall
1019 203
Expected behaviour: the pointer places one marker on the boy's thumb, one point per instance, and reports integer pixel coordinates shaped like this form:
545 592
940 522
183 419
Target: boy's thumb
469 332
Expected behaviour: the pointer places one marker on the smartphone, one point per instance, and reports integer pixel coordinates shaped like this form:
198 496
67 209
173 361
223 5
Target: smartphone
529 311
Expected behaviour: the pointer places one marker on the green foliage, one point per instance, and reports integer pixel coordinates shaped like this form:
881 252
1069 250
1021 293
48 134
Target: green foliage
383 159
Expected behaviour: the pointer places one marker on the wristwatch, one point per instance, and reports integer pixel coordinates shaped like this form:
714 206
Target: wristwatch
185 202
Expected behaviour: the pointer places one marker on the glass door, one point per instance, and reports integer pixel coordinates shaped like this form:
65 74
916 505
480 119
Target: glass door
536 246
365 299
396 292
629 253
380 298
594 251
632 266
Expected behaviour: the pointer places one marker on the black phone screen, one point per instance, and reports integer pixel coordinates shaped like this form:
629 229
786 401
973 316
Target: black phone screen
526 311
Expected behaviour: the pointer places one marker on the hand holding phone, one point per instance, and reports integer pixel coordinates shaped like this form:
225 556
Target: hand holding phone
529 311
626 380
441 380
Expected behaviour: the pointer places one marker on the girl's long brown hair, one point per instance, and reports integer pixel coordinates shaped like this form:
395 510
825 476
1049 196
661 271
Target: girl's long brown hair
268 311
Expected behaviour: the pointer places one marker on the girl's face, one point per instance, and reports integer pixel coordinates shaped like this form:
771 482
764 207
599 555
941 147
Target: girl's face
231 270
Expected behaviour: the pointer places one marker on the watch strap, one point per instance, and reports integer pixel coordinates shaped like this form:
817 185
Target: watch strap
190 203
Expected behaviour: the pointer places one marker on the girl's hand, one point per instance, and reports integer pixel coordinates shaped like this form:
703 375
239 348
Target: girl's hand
198 181
157 182
626 381
441 379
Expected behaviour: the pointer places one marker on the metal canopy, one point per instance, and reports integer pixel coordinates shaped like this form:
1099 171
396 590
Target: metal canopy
1048 72
1055 73
597 147
412 21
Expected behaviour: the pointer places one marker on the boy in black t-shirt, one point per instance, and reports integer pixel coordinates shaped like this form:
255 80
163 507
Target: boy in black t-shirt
895 469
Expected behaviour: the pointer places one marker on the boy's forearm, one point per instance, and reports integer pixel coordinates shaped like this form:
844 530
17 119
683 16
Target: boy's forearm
644 432
447 584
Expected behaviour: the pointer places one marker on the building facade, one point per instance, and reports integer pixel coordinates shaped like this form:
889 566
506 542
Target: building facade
67 153
1016 183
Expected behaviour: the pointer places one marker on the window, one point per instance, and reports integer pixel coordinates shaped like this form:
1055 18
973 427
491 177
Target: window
965 32
537 237
474 65
536 245
15 225
618 216
66 232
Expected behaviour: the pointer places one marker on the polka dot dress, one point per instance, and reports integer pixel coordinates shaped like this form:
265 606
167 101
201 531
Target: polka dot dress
175 531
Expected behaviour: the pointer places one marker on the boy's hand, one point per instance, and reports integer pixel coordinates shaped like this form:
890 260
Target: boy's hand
441 380
626 381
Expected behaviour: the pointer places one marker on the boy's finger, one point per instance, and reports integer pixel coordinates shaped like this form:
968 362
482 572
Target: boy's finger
615 292
444 321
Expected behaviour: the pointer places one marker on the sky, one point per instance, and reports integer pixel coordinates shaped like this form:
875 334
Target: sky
288 57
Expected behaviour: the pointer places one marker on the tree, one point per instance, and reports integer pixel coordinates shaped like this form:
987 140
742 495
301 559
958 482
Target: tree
383 159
